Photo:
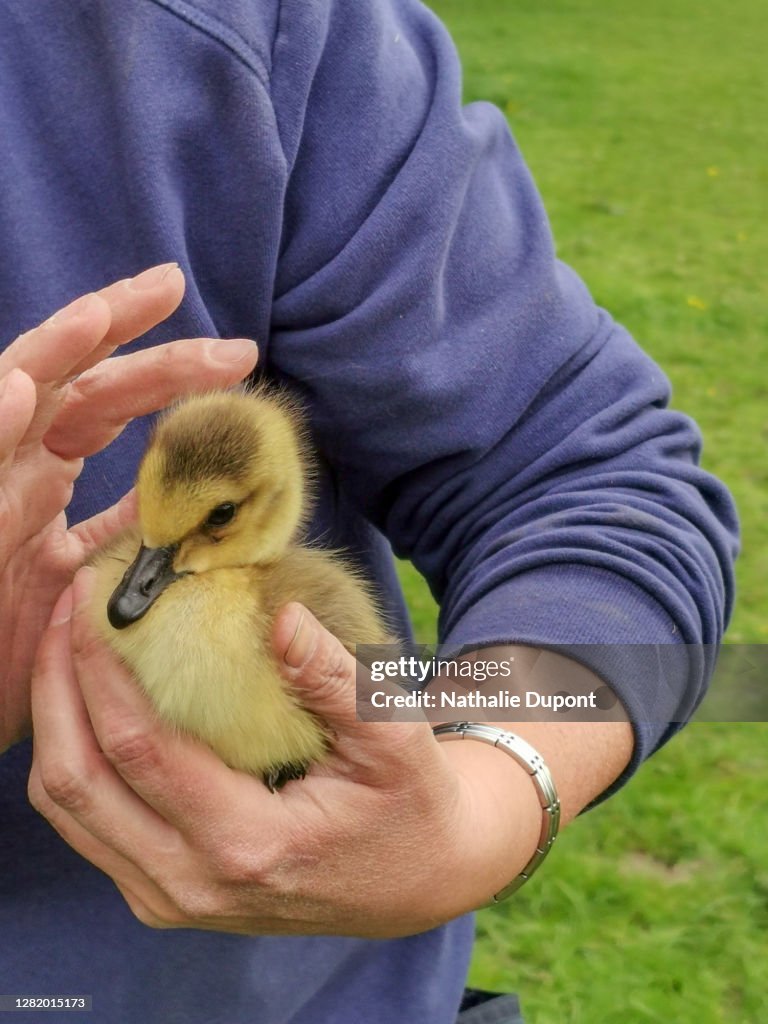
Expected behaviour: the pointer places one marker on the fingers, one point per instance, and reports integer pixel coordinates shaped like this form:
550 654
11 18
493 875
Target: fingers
51 352
326 678
95 532
71 764
103 400
85 332
99 759
87 845
323 670
43 487
37 486
91 327
74 784
17 407
137 304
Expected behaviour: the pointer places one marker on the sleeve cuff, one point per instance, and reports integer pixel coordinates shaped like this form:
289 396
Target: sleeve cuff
611 626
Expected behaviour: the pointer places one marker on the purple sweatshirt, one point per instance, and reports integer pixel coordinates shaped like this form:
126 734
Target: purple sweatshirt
310 166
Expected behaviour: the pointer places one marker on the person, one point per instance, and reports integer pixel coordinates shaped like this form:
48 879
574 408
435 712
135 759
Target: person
311 169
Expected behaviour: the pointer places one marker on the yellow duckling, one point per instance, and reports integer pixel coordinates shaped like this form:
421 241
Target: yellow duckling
188 598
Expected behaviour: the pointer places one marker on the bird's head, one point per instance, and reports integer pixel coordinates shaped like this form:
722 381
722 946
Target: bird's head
222 483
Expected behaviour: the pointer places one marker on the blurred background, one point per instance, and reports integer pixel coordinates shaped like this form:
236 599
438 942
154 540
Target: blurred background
645 128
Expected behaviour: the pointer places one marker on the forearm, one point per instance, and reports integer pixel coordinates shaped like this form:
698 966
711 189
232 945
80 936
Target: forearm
584 758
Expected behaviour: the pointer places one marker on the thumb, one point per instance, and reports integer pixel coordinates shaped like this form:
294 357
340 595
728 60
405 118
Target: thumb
326 678
319 669
101 528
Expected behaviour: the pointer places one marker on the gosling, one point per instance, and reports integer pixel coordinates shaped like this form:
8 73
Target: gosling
188 597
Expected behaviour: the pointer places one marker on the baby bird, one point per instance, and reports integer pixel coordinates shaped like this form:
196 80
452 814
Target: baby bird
188 598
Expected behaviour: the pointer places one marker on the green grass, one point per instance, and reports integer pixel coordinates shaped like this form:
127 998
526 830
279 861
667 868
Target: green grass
654 907
645 128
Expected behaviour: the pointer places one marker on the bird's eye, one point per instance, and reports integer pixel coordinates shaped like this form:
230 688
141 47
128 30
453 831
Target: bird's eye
222 514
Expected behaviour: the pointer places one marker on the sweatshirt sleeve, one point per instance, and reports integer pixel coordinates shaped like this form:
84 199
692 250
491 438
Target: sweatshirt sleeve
501 429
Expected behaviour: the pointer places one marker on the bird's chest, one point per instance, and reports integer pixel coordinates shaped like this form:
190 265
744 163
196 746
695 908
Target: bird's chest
198 653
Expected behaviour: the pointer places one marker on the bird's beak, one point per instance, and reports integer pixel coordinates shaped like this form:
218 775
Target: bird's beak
145 580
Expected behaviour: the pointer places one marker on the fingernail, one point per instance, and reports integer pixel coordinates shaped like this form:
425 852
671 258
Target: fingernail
303 643
62 611
231 350
72 310
153 277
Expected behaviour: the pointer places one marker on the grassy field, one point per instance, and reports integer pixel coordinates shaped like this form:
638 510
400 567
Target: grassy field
645 128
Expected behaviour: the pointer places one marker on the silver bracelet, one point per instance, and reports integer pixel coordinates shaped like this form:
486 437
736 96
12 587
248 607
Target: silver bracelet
533 762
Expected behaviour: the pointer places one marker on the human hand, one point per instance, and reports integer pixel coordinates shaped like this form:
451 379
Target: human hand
61 400
389 836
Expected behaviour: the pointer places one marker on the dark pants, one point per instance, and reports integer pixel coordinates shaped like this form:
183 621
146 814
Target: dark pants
488 1008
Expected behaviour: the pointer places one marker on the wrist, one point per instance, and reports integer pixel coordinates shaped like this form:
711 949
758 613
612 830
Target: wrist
500 820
